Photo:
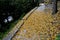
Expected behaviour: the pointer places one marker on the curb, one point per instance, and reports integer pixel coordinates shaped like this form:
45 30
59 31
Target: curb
29 13
11 34
14 30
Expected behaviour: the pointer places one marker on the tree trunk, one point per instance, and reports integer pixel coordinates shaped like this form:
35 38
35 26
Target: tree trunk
54 7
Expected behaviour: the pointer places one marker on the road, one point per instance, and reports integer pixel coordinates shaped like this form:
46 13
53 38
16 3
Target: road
39 26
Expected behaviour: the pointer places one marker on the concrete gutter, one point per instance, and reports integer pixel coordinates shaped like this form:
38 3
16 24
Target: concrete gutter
11 34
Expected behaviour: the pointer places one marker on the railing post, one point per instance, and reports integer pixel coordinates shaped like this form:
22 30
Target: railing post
37 2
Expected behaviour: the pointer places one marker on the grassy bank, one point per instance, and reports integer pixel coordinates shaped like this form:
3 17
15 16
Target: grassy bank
10 25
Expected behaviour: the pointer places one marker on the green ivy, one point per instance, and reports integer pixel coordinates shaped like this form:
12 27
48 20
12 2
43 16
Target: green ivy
58 37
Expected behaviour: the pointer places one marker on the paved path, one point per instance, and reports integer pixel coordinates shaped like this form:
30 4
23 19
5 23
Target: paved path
39 26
